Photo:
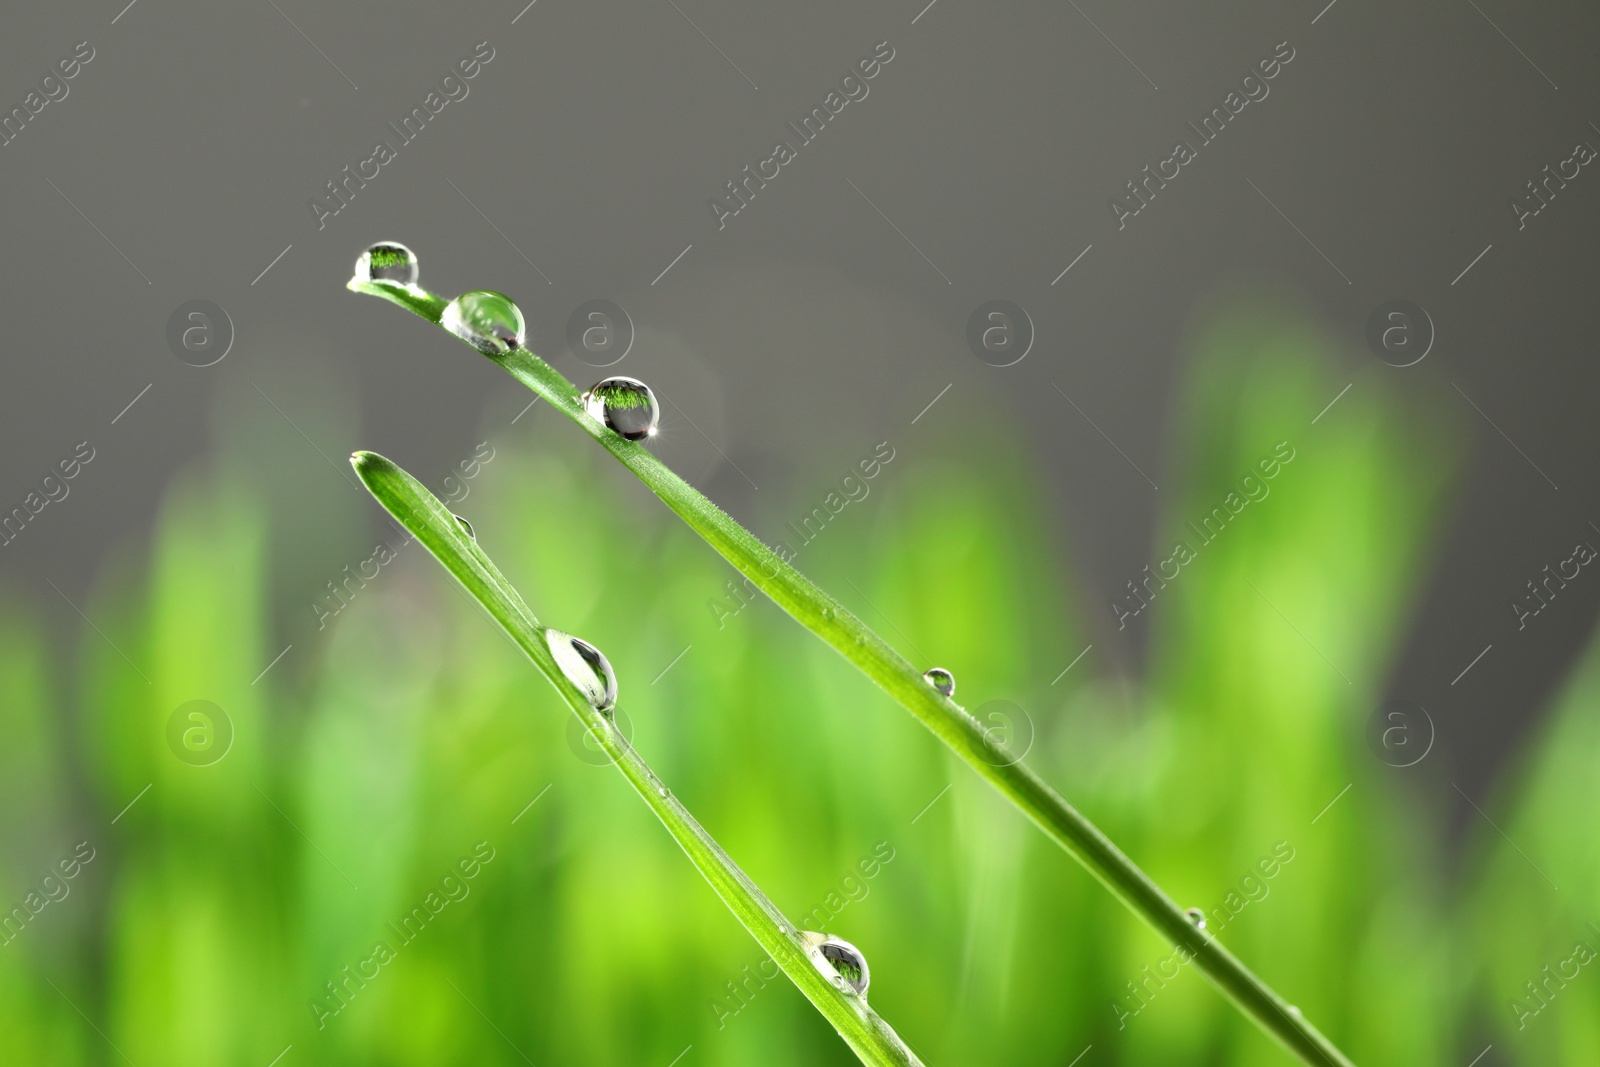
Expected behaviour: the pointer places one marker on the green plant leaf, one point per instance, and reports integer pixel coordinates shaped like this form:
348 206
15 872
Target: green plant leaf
421 513
853 639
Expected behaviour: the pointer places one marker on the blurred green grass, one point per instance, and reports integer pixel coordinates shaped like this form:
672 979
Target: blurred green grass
408 733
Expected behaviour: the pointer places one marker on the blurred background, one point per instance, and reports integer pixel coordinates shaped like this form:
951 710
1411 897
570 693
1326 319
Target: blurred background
1354 721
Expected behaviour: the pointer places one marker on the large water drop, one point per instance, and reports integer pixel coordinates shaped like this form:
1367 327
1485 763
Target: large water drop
489 322
942 680
387 261
840 961
585 667
625 405
466 527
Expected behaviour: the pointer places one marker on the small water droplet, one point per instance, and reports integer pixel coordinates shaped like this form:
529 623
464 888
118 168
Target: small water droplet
466 527
840 961
585 667
942 680
1294 1011
489 322
625 405
1197 917
387 261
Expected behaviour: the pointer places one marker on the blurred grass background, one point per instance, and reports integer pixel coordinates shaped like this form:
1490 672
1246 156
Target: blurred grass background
408 736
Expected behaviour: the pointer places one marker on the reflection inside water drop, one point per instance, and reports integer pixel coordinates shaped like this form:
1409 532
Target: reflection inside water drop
488 321
1197 917
585 667
624 405
387 261
942 680
840 961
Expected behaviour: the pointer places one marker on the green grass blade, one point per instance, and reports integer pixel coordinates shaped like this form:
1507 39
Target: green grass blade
853 639
871 1038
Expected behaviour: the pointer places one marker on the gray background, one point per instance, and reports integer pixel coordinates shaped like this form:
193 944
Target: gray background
1394 141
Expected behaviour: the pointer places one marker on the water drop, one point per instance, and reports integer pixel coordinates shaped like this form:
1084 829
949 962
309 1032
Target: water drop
839 961
487 321
387 261
626 405
466 527
942 680
1197 917
585 667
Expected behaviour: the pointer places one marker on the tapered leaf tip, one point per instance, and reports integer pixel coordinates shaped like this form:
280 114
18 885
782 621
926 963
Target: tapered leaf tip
367 464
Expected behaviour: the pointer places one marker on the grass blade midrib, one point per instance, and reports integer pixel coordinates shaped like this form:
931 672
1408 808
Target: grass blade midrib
427 519
824 616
